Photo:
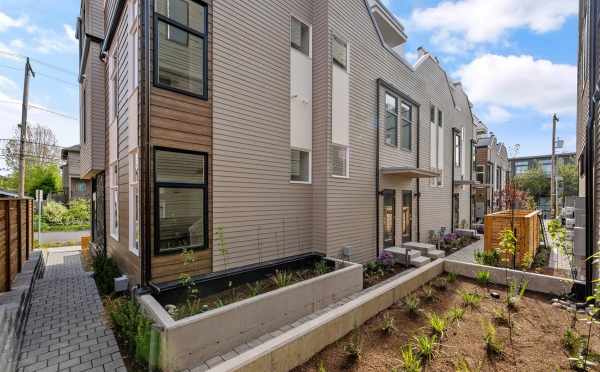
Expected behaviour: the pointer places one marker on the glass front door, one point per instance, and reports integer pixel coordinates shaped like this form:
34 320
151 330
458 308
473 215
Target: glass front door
389 218
407 202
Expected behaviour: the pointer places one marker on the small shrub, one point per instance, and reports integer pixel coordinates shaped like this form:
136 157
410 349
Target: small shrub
483 278
255 288
428 294
470 299
492 345
321 267
353 348
455 314
441 284
571 341
322 367
463 366
501 317
282 278
451 277
105 271
487 258
410 360
515 294
389 324
412 303
438 324
55 213
426 346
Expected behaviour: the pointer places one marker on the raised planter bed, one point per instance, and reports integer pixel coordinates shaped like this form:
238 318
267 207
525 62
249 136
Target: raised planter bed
192 340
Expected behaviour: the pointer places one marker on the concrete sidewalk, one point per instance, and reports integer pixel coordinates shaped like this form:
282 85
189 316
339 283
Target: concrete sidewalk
66 329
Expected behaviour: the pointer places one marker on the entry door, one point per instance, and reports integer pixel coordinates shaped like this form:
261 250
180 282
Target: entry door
389 218
407 209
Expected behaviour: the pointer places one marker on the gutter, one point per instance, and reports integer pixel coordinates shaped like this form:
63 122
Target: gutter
377 170
589 155
112 27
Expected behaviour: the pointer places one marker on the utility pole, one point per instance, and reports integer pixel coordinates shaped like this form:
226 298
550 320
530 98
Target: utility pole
23 127
553 176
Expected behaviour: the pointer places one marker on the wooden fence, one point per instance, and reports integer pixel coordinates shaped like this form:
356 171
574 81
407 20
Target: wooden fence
16 238
526 227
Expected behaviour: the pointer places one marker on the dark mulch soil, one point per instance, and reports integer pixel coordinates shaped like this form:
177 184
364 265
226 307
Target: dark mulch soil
372 278
538 328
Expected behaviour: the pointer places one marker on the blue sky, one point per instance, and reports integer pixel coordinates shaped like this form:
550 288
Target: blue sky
516 58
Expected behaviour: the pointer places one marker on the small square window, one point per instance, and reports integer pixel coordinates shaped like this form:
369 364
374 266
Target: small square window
340 53
300 36
300 166
339 158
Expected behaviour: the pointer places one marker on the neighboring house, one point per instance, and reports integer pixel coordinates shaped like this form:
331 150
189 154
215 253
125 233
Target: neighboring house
74 187
8 194
275 127
492 172
587 212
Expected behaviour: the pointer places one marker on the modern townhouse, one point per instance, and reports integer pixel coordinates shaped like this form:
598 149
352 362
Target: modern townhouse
247 132
74 187
587 238
492 172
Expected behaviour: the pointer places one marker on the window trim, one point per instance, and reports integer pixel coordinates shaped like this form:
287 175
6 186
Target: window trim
396 114
114 194
347 176
204 36
309 26
158 185
134 188
403 121
292 148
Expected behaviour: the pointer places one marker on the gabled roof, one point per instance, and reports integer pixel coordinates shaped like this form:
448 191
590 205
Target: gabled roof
426 55
66 150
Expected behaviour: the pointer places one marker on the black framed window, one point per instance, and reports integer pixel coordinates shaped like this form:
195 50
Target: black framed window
391 120
181 46
406 110
181 200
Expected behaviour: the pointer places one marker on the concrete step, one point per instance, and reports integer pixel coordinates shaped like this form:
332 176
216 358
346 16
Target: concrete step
436 253
399 254
421 247
420 261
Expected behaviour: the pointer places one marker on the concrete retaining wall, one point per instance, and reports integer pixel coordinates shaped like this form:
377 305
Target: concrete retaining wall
190 341
535 282
298 345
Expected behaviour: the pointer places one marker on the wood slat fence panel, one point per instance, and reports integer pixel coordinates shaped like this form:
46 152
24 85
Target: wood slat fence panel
16 238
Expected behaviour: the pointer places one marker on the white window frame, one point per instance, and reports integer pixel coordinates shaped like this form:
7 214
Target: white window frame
134 206
347 163
438 182
134 45
309 166
114 201
299 19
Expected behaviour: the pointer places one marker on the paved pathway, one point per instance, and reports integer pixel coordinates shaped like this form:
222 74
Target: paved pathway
66 330
467 254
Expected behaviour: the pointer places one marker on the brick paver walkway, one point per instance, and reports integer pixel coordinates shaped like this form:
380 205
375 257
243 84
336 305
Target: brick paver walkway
66 330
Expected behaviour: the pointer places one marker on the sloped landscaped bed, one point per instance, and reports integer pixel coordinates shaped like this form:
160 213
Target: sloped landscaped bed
229 311
538 333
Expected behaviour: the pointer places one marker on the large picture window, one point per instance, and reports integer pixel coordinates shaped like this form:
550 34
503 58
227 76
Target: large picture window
181 46
182 200
391 120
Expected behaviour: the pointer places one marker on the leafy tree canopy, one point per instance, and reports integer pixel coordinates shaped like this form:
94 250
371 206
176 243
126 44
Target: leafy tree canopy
534 182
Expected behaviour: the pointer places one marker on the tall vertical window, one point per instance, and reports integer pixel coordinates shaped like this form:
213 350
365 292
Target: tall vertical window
406 112
134 203
300 166
339 156
457 150
391 120
114 200
480 173
134 47
340 53
115 86
181 46
181 192
300 36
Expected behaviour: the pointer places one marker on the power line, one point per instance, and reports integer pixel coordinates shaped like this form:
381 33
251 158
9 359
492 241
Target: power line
57 68
67 116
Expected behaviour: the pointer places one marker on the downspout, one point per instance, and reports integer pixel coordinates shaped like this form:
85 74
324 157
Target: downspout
418 179
589 156
471 201
454 130
144 135
377 171
112 27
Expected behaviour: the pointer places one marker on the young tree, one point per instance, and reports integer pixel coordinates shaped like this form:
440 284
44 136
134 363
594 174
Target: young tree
534 182
41 147
43 177
570 178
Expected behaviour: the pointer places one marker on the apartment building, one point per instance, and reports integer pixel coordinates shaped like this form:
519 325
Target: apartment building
588 135
248 132
492 171
521 164
74 187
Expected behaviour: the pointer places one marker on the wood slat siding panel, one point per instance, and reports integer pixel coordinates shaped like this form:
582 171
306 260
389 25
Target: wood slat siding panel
351 202
262 214
183 122
94 17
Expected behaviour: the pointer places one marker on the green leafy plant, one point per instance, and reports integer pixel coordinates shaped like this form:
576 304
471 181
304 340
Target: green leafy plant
501 317
455 314
470 299
508 245
463 366
491 258
322 367
105 271
410 360
438 324
130 323
492 345
571 341
441 284
389 324
428 294
483 278
353 348
451 277
515 293
321 267
425 346
255 288
412 303
282 278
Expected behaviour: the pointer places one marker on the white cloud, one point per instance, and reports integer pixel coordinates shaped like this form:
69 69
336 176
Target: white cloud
411 57
496 114
521 82
7 22
70 33
464 23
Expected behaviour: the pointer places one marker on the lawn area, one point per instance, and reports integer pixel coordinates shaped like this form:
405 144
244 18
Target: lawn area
538 330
